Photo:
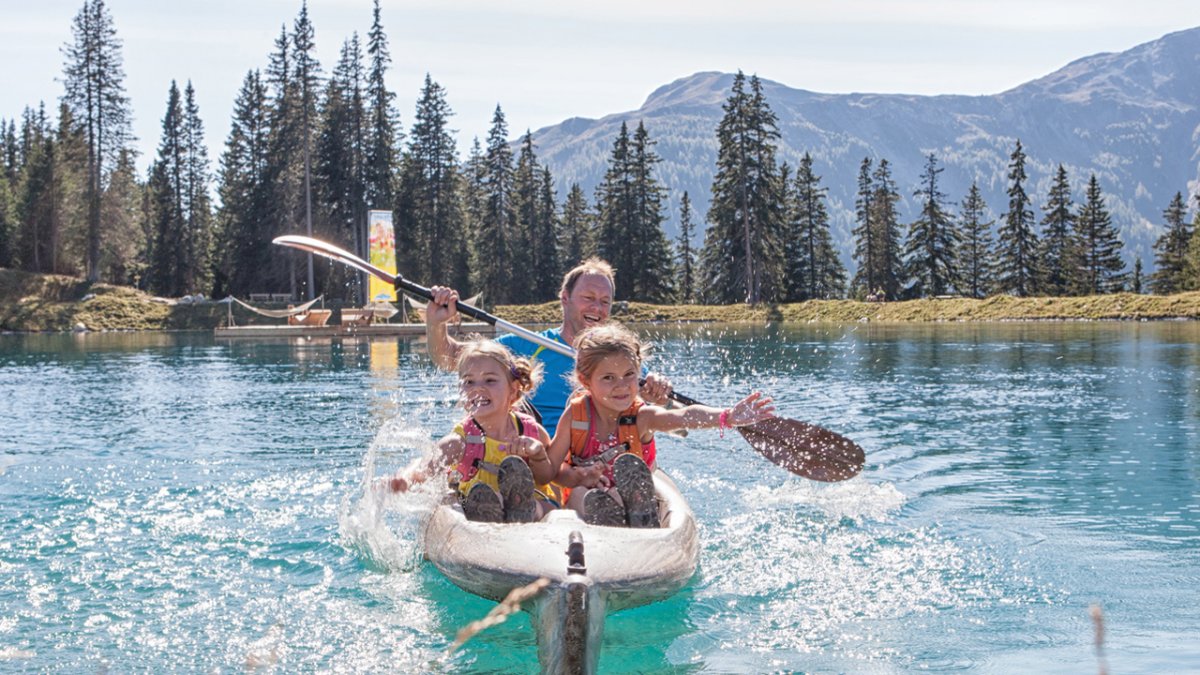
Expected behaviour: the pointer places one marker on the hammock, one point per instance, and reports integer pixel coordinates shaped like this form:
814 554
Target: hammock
280 313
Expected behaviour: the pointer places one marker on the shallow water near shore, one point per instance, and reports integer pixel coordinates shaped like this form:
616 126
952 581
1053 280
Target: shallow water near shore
168 501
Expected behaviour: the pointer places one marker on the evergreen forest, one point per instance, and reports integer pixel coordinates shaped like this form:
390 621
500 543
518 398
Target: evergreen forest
312 148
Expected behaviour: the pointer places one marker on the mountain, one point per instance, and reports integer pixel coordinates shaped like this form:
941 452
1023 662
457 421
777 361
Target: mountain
1132 118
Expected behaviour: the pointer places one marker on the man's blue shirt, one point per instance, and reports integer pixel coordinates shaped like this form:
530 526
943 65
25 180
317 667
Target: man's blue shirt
557 375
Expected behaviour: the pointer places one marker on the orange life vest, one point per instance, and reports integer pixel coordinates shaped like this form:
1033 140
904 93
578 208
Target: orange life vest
584 453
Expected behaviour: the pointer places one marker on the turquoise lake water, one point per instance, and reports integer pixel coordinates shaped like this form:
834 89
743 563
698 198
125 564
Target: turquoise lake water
172 502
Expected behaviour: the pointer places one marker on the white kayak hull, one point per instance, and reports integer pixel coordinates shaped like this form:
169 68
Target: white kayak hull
622 567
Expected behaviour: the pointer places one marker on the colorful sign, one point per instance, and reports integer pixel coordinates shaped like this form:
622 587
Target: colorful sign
382 250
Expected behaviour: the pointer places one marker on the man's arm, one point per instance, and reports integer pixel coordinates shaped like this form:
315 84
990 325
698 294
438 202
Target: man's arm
443 349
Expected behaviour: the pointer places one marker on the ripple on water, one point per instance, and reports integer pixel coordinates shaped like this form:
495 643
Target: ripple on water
820 572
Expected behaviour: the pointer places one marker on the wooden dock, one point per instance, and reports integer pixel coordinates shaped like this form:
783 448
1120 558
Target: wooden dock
345 331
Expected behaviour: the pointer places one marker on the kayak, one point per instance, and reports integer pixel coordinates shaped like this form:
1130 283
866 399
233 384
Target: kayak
592 569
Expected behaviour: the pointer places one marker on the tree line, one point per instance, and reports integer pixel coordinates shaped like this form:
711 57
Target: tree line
309 150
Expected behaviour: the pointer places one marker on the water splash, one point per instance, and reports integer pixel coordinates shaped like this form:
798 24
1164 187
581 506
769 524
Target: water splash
380 526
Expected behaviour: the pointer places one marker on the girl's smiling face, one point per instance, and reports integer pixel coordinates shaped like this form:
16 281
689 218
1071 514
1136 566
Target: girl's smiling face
485 387
613 384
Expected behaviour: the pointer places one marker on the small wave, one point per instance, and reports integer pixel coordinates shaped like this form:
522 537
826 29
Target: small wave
856 499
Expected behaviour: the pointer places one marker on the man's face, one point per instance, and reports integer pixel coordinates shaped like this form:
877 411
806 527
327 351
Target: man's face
588 304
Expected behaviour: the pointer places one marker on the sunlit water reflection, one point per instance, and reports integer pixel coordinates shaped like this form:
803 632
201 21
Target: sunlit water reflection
168 499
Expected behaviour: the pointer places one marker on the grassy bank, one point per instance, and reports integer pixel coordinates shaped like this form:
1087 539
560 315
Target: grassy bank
41 302
1122 306
48 302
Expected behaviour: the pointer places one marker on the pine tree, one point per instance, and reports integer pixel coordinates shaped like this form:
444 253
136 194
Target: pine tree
124 247
10 155
1171 249
431 210
578 225
1136 285
95 93
1191 260
547 267
9 169
933 241
866 248
975 260
492 254
245 190
1057 245
382 137
168 255
653 275
198 273
526 226
629 207
474 207
1017 248
886 223
685 254
43 200
307 79
8 213
742 258
1099 261
813 268
340 167
615 212
284 169
72 204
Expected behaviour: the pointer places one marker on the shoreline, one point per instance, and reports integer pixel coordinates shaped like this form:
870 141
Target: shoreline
36 303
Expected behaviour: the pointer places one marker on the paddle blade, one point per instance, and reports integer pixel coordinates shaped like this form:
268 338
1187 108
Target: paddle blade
805 449
324 248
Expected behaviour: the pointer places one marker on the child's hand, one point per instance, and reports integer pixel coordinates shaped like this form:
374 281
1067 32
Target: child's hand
753 408
405 479
528 448
398 483
593 476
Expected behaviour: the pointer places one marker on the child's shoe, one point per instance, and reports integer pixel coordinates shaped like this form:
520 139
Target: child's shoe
599 508
482 504
516 490
636 488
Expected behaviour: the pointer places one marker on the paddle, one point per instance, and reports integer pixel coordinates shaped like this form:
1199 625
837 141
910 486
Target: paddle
804 449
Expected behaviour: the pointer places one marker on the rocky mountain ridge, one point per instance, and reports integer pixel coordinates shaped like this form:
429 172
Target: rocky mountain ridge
1132 118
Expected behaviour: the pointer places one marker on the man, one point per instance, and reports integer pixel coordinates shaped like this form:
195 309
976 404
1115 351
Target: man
586 296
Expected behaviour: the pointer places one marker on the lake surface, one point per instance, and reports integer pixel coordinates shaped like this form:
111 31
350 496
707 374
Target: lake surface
168 501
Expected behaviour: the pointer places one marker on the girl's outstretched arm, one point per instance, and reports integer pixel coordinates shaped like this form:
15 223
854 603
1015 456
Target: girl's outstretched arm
450 448
753 408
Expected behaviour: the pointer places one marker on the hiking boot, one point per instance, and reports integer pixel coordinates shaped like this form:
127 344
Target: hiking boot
482 504
516 490
636 487
599 508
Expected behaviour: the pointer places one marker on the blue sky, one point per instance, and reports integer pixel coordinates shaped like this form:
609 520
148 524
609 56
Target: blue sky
544 60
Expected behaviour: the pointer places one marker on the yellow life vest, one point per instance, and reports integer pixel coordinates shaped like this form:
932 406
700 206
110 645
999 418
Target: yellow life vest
481 458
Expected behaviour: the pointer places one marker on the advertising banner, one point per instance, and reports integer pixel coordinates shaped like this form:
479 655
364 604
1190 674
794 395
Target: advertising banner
382 247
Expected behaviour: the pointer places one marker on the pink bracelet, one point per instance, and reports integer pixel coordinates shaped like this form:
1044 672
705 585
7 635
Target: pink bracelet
722 422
